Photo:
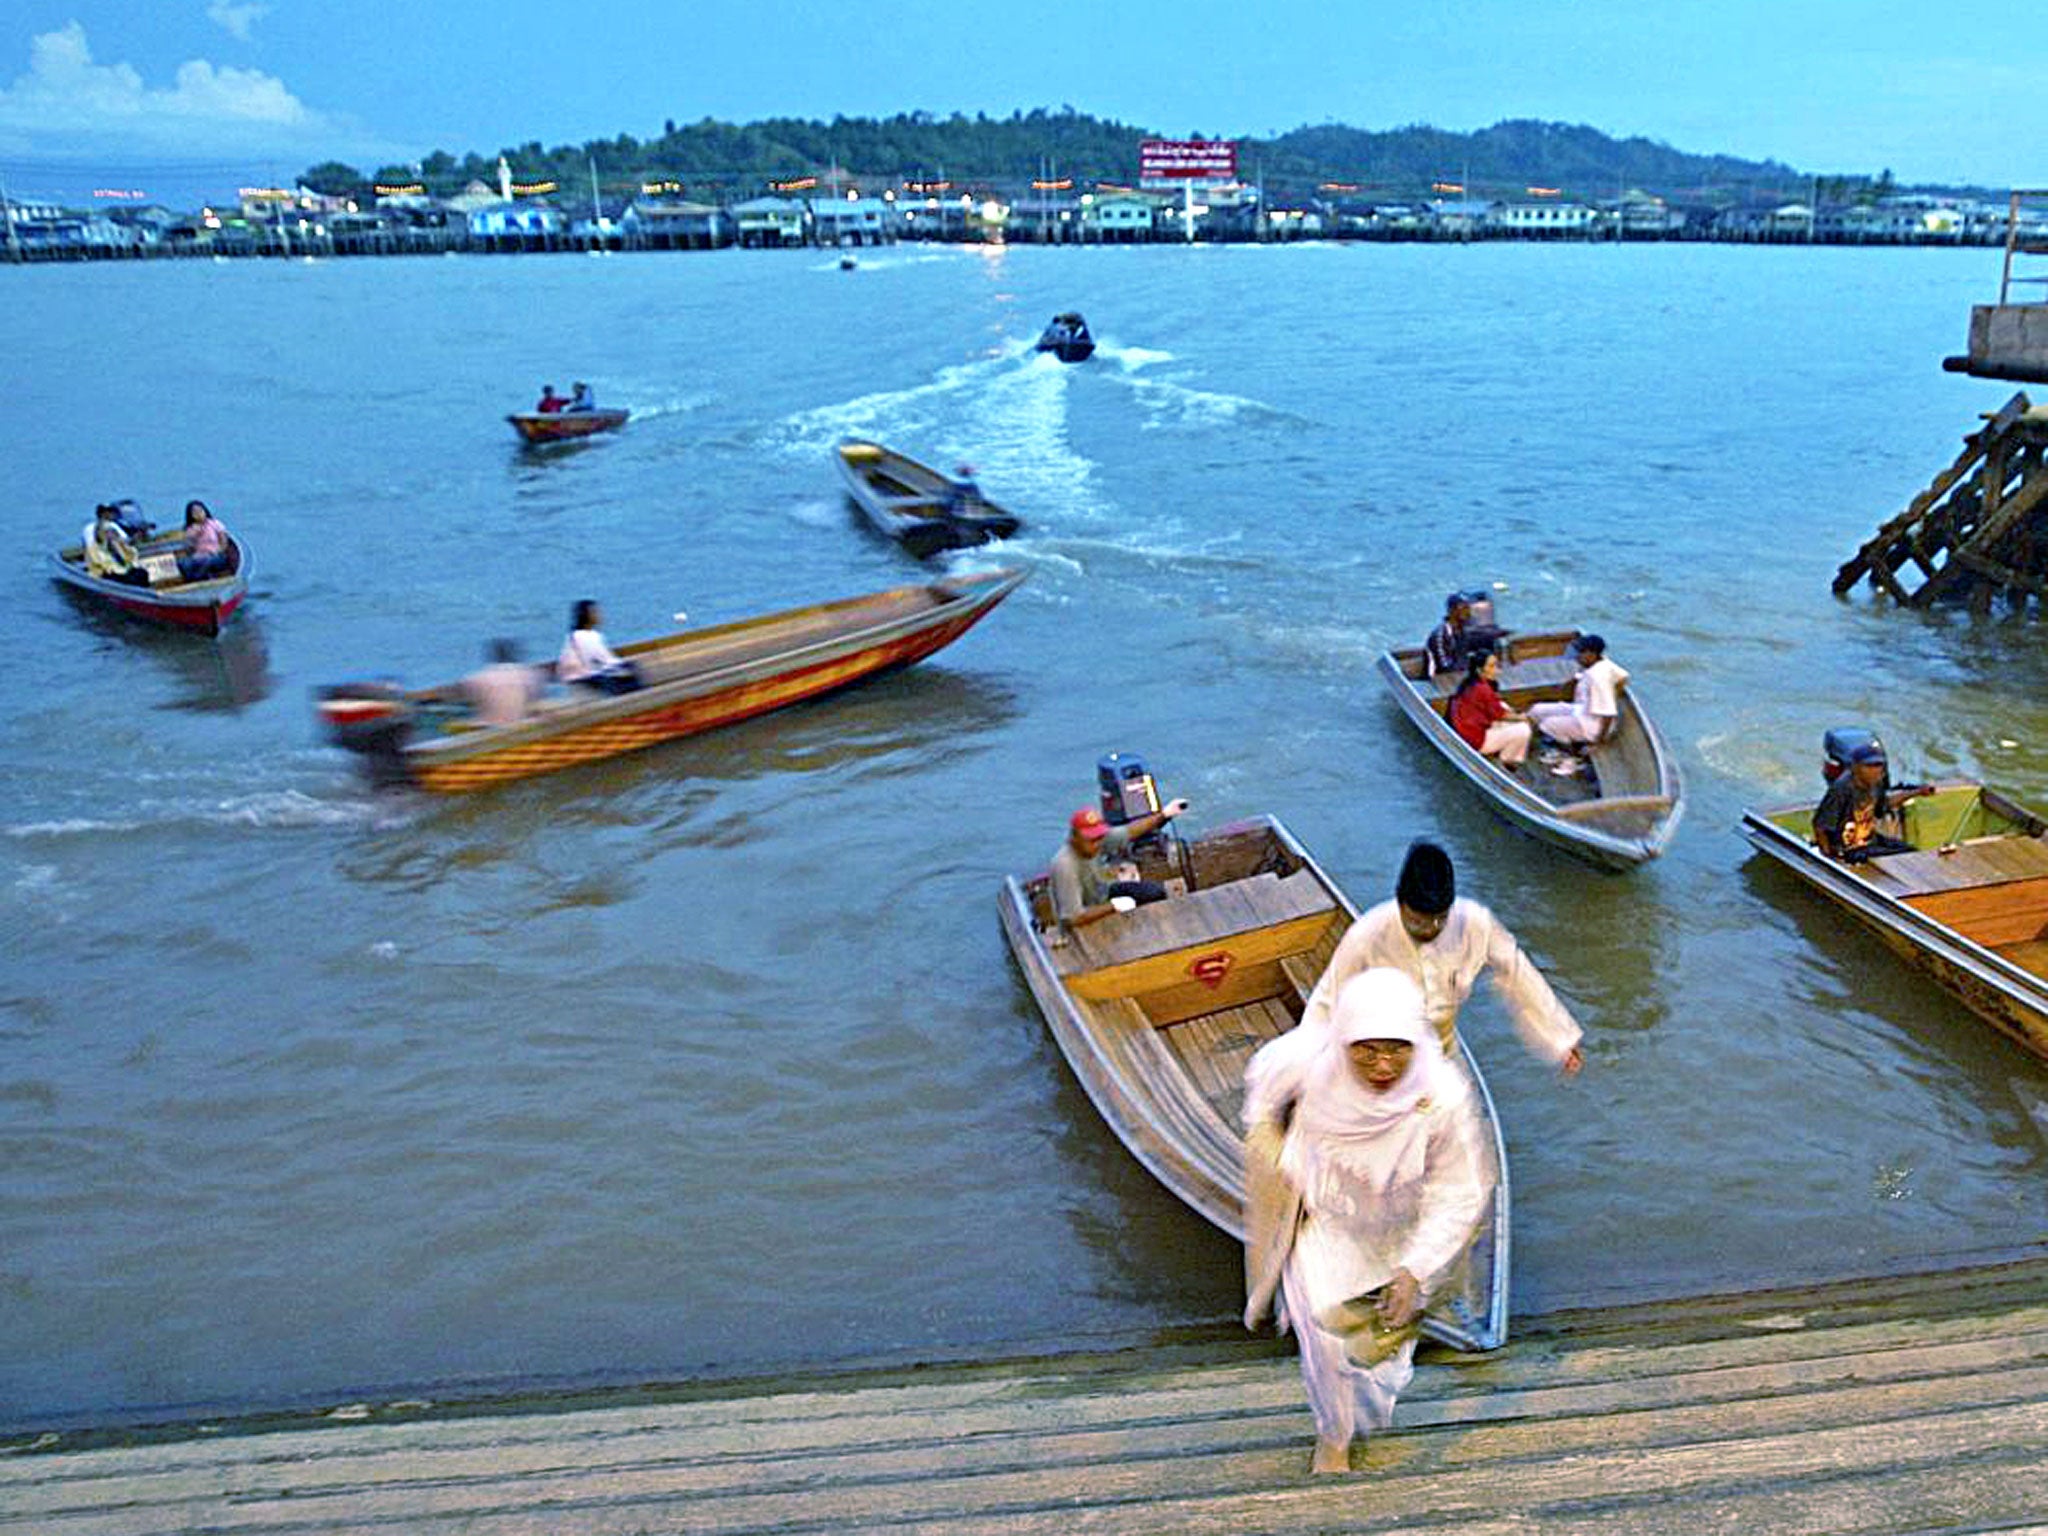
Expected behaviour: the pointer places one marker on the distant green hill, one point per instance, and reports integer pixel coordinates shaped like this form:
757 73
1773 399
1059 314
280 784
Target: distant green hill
712 159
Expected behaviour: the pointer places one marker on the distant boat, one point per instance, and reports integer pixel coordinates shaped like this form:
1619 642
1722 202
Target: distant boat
1625 808
1067 338
1159 1009
914 504
565 426
694 682
1968 906
847 263
169 599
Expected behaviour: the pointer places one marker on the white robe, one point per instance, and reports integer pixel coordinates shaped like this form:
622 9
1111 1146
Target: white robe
1446 969
1406 1195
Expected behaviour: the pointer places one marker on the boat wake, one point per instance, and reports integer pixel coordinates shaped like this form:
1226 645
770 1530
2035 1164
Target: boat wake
1009 422
286 809
678 405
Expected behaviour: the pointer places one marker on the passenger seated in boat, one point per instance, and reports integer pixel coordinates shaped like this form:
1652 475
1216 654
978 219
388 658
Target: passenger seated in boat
108 554
550 402
207 554
1845 821
1083 886
1479 714
587 660
502 691
963 493
582 399
1444 651
1596 705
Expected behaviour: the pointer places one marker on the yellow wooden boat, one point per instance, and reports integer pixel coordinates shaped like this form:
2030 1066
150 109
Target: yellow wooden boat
696 681
1158 1011
1968 906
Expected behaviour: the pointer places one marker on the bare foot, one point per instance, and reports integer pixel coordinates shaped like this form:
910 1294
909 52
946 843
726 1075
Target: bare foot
1331 1456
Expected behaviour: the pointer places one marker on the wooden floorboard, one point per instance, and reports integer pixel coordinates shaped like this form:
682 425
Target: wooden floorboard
1909 1405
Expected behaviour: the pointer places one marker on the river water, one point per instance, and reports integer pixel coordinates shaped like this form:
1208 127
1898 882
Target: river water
711 1059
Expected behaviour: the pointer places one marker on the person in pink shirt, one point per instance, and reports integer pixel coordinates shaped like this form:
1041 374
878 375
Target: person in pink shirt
207 553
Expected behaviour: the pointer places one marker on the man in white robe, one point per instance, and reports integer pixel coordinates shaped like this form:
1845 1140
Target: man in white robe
1386 1152
1442 941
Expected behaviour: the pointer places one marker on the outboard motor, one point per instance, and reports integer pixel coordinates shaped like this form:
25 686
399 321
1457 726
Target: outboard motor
373 719
1128 791
1482 633
128 513
1841 744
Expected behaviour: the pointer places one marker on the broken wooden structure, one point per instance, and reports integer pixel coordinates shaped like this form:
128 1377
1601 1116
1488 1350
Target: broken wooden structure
1980 529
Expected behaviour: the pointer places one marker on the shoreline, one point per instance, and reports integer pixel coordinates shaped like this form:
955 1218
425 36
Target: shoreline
1214 1341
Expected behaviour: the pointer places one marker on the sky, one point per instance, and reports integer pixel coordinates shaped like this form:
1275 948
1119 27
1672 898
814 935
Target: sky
134 93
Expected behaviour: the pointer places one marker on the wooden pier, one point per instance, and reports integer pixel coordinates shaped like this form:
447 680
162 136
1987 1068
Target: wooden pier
1893 1406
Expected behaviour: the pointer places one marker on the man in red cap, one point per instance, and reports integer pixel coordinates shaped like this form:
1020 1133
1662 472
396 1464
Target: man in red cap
1083 884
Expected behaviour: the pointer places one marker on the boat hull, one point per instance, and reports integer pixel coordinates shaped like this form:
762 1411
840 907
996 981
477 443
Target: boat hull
1186 1133
2008 995
202 607
701 697
907 501
564 426
1616 832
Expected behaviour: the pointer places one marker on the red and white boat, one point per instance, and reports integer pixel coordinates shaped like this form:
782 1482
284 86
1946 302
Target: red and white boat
169 599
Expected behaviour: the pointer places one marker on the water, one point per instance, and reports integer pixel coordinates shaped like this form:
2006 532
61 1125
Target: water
712 1059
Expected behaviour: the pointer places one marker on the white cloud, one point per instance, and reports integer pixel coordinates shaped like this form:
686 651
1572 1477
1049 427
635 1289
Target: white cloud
236 20
68 103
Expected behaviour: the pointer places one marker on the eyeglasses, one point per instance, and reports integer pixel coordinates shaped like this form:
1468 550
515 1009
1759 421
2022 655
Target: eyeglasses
1382 1050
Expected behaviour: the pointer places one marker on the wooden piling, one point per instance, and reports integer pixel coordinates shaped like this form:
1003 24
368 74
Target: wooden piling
1978 531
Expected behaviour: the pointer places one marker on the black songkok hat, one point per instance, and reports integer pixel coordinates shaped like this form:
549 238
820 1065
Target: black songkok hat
1427 881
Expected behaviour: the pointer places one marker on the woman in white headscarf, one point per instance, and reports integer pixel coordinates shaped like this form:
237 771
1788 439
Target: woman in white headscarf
1378 1138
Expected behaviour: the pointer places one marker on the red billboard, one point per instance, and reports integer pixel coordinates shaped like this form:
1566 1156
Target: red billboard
1187 160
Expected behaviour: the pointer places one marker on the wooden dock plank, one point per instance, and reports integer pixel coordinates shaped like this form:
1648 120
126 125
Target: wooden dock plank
1892 1406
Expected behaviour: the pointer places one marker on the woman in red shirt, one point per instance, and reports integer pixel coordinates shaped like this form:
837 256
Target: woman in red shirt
1478 714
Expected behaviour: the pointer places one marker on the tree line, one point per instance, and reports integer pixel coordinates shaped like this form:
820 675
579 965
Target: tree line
712 160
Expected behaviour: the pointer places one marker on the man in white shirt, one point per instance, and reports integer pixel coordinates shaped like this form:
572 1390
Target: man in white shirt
1595 701
1441 942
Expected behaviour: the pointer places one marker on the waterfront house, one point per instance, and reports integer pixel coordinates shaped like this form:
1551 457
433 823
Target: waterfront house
1118 218
1543 219
1639 215
1460 218
852 220
1293 219
1046 217
530 224
672 224
770 221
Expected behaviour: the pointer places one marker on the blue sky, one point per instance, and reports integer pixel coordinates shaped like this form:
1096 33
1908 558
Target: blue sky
105 90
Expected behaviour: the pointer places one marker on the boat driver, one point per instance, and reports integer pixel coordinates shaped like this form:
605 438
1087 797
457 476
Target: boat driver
1083 881
1845 821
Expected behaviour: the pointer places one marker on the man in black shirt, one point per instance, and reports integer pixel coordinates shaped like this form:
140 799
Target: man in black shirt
1845 822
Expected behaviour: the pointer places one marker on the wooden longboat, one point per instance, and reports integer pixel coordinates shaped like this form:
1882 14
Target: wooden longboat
695 681
1969 906
1159 1010
564 426
913 503
169 600
1620 816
